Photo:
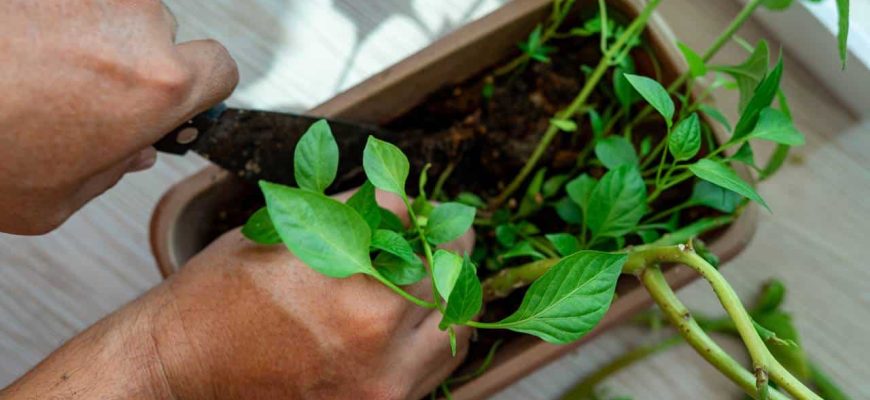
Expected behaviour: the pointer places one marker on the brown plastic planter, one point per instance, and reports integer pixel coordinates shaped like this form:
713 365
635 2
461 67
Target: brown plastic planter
183 217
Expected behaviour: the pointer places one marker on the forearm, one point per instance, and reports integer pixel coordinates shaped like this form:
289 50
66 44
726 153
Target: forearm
114 359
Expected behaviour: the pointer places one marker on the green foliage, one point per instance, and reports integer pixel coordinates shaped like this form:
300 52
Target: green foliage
775 126
565 243
615 151
580 190
697 67
364 203
393 243
399 270
466 298
749 73
761 98
569 299
259 228
315 159
385 165
328 236
564 124
617 203
714 196
843 33
685 140
722 175
449 221
446 269
625 93
712 112
655 94
534 46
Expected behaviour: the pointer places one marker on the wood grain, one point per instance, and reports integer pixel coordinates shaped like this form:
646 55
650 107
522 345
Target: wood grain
295 54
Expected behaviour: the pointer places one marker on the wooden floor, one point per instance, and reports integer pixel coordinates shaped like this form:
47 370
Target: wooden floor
294 54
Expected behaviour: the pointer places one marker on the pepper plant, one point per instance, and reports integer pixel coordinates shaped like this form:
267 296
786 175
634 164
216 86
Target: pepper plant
649 157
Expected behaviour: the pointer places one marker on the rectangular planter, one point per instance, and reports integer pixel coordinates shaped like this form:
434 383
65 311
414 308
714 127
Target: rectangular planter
184 215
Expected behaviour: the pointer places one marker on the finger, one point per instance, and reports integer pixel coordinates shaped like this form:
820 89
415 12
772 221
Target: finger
214 76
431 346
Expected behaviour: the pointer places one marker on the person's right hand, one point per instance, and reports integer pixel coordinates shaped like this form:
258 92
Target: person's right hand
252 322
87 87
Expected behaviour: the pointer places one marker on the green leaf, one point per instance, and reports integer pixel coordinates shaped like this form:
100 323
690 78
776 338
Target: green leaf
328 236
645 145
745 155
449 221
694 230
615 151
465 299
393 243
522 249
446 268
565 243
470 199
315 159
685 140
725 177
761 99
750 73
580 189
597 123
534 46
390 221
697 67
364 202
398 270
506 234
565 125
775 126
712 112
625 93
259 228
792 358
569 211
385 166
843 30
655 94
553 185
617 203
569 299
714 196
770 298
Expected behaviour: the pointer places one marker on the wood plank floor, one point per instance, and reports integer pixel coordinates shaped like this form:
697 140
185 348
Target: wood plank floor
294 54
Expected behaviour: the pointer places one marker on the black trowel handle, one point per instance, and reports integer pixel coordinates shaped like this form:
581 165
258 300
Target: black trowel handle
182 138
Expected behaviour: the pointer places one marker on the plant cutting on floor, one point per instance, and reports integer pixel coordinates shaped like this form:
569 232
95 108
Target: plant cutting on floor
623 178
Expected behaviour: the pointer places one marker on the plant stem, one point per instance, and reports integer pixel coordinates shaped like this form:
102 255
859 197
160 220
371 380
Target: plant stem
416 300
646 258
505 281
633 29
427 252
656 284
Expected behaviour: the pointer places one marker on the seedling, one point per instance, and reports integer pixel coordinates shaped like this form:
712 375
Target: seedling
648 158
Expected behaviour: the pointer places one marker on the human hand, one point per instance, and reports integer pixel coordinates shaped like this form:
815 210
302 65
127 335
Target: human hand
87 88
257 323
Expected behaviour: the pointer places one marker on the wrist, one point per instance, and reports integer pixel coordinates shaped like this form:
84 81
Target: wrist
114 358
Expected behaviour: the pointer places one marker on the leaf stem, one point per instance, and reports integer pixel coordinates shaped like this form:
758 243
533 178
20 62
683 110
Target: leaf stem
416 300
633 29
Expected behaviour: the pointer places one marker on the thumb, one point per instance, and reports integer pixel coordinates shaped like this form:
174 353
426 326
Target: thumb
214 76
